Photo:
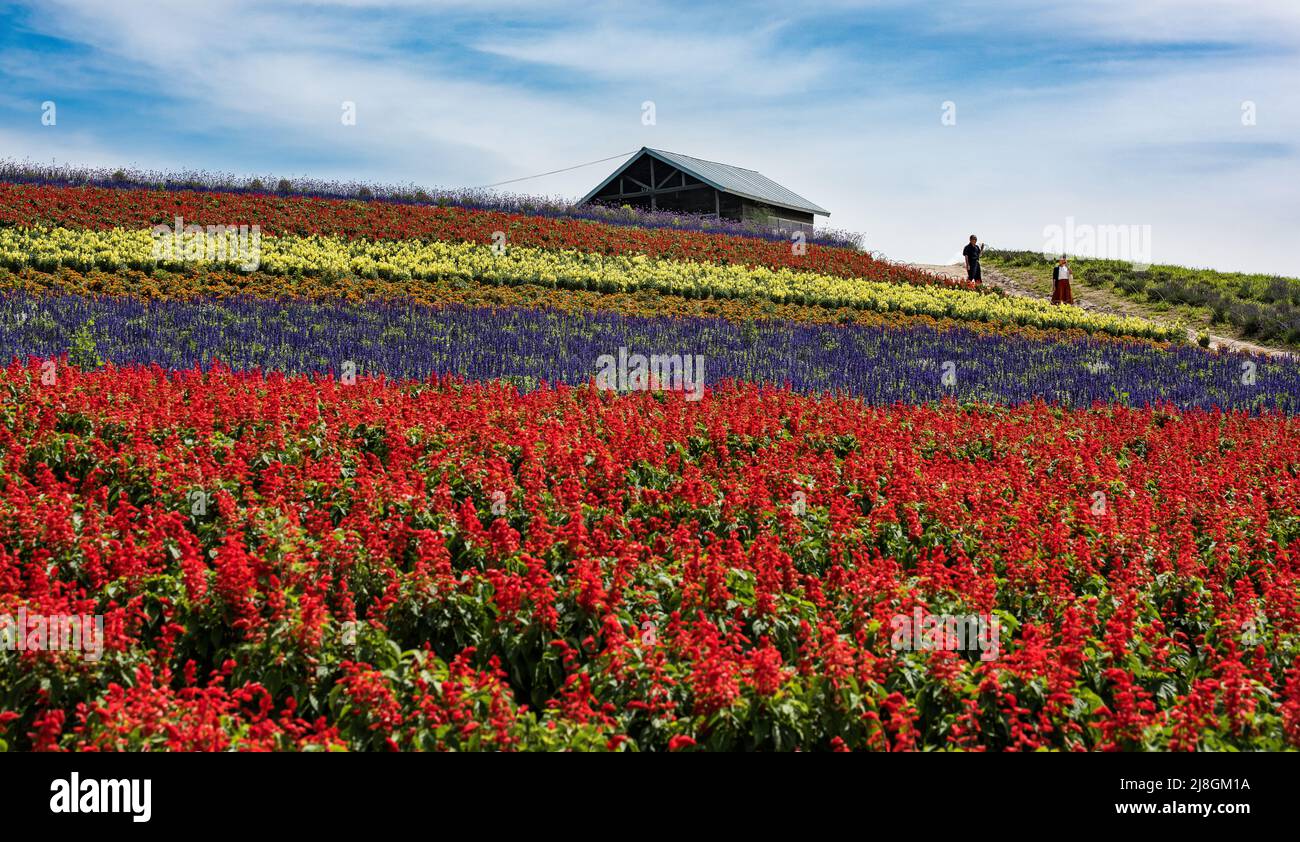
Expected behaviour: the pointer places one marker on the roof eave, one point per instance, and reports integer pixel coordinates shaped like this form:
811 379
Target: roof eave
810 209
813 209
615 174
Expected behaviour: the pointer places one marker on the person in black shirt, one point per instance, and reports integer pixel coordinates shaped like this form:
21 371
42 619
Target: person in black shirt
972 254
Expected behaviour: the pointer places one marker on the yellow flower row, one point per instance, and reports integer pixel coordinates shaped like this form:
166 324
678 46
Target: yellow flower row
327 257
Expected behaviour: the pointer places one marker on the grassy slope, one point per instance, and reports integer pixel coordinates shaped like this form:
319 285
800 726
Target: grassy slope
1259 308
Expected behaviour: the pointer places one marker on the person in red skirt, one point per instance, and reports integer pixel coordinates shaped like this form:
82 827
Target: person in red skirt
1061 283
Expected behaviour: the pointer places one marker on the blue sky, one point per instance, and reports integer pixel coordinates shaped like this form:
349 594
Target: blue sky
1108 112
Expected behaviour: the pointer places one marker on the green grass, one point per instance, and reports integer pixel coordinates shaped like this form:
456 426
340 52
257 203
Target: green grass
1261 308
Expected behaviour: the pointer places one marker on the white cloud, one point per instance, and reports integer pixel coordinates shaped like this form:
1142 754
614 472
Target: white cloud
1027 151
746 64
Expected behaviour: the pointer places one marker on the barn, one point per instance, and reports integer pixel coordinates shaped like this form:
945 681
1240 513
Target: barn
659 180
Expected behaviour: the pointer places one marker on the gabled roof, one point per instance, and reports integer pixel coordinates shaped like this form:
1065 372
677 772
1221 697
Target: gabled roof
735 180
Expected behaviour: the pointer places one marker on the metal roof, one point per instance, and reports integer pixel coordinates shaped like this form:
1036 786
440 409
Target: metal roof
735 180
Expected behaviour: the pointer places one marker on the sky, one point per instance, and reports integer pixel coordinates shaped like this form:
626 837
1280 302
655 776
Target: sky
916 124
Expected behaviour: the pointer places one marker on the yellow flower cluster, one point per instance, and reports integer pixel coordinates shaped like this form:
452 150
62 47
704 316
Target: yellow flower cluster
405 259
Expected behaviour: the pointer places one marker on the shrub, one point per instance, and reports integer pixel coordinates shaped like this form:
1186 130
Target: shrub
82 352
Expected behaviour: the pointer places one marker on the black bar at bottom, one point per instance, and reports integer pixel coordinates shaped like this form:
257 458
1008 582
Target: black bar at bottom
337 791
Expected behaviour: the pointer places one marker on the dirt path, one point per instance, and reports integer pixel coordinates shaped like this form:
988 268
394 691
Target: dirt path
1094 300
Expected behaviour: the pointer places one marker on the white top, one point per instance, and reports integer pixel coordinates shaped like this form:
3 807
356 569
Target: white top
1064 273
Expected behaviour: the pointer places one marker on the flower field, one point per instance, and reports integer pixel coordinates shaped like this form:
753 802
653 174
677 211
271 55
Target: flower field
100 209
371 494
329 257
349 586
529 347
36 191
